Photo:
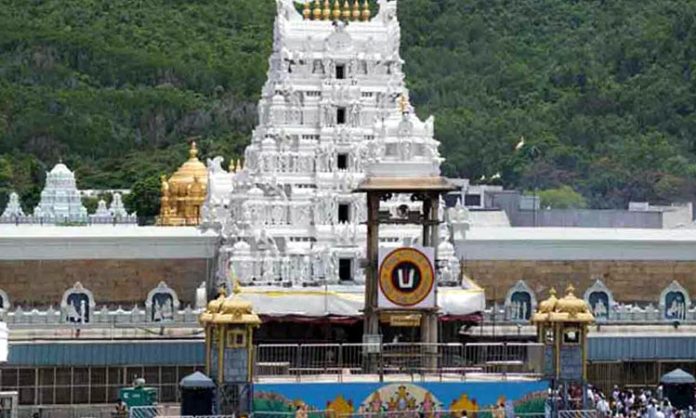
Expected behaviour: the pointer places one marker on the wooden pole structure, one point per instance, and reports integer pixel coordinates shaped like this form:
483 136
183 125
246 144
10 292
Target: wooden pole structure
371 326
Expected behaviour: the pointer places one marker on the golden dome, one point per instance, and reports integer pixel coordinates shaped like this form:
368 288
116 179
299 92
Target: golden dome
232 310
567 309
549 305
192 168
570 304
184 193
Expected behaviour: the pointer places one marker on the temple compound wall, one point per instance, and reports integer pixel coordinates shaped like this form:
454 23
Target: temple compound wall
113 282
629 280
635 265
117 265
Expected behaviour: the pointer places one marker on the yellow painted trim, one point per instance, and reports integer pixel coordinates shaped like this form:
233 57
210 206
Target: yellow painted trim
221 352
208 341
557 341
584 352
250 357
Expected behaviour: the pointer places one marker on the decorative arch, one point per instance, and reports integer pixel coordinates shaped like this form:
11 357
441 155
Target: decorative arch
600 299
674 302
4 301
520 302
161 303
77 305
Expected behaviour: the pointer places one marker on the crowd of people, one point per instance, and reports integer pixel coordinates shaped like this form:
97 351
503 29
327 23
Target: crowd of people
641 403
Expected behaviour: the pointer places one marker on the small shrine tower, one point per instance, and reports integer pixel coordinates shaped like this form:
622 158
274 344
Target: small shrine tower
562 327
229 324
184 193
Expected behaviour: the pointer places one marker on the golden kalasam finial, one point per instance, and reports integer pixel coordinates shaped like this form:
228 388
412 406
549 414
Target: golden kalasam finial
552 292
345 14
365 15
570 290
239 166
193 152
317 10
336 13
326 11
222 292
356 10
307 11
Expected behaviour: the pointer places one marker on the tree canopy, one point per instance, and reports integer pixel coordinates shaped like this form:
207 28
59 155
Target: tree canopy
602 91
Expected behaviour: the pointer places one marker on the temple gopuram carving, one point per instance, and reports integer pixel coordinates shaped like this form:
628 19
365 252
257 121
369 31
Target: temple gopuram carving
334 102
184 192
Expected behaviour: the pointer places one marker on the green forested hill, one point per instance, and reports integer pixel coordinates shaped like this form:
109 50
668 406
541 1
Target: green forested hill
603 91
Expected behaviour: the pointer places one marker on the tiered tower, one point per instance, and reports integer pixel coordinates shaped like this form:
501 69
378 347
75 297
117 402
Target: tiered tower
60 199
334 101
13 209
115 212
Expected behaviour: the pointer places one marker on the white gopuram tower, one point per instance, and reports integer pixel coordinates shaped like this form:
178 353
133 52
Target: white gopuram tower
334 103
13 209
60 199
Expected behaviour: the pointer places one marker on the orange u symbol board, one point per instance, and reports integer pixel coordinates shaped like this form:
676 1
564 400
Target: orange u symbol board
406 277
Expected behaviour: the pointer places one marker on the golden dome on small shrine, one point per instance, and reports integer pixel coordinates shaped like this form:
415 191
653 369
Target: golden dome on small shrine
549 304
190 170
183 194
571 304
230 310
567 309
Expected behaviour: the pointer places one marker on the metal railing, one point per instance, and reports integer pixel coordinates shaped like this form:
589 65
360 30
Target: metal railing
69 221
344 360
152 411
66 411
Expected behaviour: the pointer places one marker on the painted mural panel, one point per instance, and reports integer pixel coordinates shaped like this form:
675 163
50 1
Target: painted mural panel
424 399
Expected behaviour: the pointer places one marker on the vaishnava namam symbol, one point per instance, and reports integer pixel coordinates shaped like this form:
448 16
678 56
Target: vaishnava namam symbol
410 272
406 277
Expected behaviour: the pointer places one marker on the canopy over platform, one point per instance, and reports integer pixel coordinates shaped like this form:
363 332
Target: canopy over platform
677 377
405 184
346 303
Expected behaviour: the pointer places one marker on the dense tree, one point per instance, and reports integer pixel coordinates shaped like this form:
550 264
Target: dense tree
561 198
144 199
604 92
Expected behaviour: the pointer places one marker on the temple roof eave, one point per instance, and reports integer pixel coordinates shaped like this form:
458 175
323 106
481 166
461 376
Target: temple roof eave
405 184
